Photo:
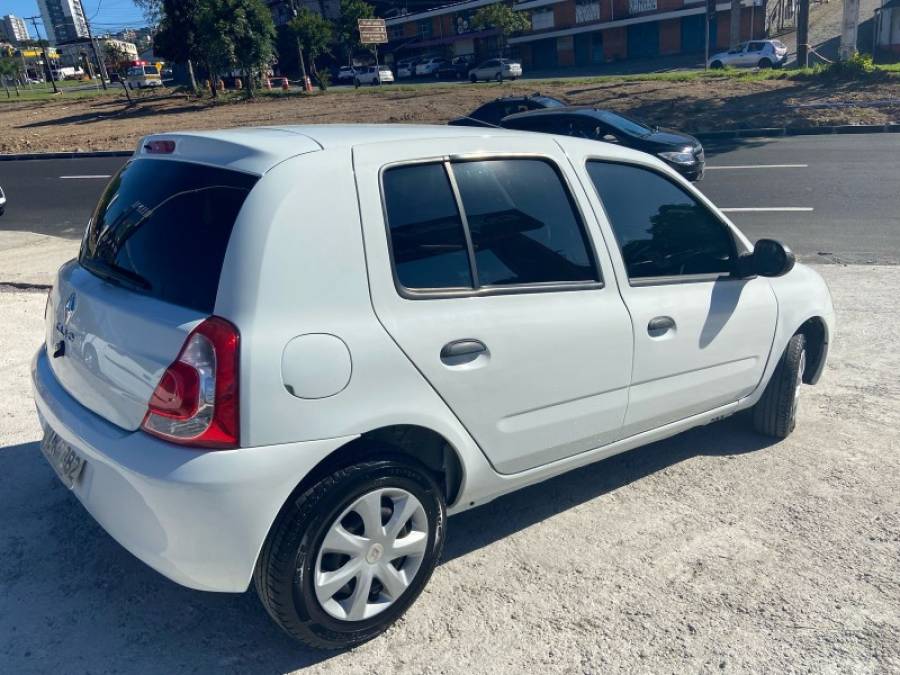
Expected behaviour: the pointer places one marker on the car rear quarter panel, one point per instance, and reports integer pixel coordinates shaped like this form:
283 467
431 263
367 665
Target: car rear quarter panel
296 266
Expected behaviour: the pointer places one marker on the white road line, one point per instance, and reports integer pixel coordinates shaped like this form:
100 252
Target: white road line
98 175
765 209
757 166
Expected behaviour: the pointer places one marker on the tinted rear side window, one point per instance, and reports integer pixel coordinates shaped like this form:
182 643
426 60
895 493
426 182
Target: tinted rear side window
162 227
427 237
523 224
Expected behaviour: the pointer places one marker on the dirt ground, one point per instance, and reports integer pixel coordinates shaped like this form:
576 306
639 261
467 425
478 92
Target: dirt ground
714 551
697 105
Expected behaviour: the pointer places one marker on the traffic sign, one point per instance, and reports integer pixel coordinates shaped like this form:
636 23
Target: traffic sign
372 31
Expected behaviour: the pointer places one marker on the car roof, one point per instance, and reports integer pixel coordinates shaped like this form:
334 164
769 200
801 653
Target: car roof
586 110
258 149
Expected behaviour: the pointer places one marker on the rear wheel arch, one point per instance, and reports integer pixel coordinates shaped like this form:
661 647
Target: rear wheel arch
421 444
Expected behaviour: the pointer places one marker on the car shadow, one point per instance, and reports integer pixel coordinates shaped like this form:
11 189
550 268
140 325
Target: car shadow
73 599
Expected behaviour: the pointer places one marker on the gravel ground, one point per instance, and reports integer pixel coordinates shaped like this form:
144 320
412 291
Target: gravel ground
715 551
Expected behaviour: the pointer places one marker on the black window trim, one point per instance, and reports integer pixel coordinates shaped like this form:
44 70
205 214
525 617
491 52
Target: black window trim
666 280
478 291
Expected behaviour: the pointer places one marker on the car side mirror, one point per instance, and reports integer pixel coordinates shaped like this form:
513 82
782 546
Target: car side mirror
770 258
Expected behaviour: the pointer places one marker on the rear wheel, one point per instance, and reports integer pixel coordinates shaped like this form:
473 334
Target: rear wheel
347 557
716 65
473 79
775 414
499 77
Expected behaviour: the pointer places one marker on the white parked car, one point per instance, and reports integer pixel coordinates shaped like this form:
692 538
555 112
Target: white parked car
2 201
430 66
753 54
374 75
405 69
346 74
496 69
316 383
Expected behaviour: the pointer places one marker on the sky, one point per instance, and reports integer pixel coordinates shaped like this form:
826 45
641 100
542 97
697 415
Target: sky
104 15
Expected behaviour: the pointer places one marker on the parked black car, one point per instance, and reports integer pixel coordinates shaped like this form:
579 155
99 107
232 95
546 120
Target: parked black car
682 152
456 69
490 114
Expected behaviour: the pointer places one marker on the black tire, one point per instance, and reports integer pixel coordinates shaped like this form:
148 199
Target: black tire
284 572
775 414
716 65
765 63
499 77
473 79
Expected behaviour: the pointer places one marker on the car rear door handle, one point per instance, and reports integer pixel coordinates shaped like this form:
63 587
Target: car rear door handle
454 351
660 325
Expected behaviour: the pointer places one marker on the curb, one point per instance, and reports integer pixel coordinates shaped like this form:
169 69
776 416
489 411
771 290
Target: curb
11 157
24 286
769 132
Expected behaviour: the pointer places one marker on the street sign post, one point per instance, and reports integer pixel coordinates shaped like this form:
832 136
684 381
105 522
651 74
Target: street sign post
710 16
372 32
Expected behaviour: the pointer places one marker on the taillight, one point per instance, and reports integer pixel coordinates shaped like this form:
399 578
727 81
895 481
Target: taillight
196 400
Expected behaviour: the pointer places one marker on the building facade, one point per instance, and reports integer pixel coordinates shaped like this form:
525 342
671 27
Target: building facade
63 20
576 32
13 29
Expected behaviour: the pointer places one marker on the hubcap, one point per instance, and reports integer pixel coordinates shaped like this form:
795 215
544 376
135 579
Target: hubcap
370 554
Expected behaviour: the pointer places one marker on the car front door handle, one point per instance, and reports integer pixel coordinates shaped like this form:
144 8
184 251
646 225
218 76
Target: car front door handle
454 352
660 325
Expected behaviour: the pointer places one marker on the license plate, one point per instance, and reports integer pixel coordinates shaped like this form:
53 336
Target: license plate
63 458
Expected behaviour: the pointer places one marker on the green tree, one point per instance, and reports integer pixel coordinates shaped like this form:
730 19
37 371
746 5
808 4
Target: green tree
347 29
504 19
253 34
10 69
117 61
215 39
313 33
177 38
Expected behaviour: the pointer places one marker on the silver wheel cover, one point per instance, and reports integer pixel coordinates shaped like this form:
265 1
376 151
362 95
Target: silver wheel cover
370 554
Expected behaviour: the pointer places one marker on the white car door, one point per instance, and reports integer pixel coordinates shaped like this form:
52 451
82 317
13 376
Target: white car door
506 306
702 337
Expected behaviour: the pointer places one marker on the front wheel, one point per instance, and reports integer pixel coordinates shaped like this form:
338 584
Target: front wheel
347 557
764 63
716 65
775 414
473 79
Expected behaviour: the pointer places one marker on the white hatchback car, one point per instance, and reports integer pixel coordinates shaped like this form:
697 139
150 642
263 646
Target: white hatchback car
430 66
373 75
248 380
496 69
753 54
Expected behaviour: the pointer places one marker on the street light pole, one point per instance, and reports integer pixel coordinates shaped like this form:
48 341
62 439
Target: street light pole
103 75
33 20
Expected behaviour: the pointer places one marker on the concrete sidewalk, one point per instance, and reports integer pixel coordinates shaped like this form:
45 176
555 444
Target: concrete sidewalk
27 258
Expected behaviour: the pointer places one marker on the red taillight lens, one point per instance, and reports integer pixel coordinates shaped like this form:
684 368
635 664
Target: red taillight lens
196 400
158 147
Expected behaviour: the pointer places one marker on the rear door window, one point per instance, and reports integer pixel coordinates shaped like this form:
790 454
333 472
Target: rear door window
162 227
514 219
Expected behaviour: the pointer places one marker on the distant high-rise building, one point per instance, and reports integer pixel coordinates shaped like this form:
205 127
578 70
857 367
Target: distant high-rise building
13 28
63 20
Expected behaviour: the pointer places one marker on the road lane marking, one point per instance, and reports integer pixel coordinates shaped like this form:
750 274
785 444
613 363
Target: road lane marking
765 209
97 175
757 166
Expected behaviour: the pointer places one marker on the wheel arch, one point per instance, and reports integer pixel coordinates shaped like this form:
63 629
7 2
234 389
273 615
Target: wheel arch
815 332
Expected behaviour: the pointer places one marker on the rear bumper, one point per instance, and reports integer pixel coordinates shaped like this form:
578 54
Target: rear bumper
199 518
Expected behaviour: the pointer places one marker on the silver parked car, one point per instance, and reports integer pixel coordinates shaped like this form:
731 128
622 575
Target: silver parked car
753 54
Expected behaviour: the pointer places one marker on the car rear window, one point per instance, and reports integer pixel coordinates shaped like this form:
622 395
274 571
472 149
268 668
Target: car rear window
161 228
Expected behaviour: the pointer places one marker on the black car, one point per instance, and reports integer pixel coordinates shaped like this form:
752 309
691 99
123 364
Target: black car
490 114
682 152
457 69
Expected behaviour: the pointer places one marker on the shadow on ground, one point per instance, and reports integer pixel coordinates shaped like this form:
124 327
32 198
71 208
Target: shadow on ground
73 600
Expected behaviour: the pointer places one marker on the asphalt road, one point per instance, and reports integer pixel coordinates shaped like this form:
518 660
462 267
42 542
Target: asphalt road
831 198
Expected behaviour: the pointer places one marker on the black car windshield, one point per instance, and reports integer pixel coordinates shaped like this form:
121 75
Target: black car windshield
624 124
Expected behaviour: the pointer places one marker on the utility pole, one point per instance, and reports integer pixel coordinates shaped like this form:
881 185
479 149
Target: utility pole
300 60
103 75
803 34
33 20
848 29
710 16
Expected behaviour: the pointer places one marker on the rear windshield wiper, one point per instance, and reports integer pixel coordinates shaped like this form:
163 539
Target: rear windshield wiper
115 274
